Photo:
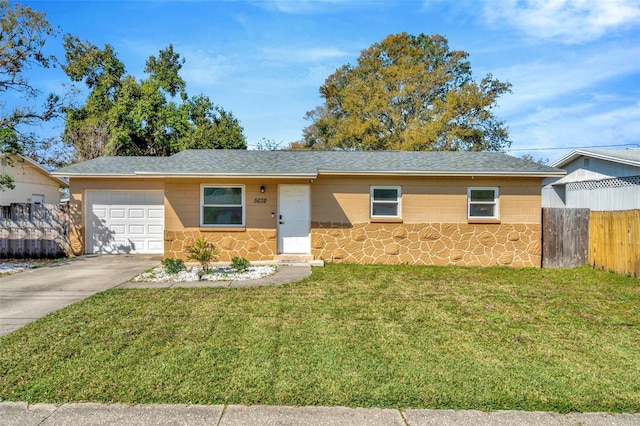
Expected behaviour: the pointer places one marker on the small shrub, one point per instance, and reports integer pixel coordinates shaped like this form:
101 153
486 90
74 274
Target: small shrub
240 264
173 266
203 252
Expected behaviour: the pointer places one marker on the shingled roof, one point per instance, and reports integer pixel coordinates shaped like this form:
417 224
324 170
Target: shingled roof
309 164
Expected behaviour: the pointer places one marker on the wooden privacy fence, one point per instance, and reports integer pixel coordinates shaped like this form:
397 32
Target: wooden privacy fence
34 231
614 241
565 237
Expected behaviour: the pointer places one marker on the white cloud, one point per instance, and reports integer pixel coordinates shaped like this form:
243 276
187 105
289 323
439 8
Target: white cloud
581 125
565 21
280 67
319 73
302 6
301 55
539 82
204 68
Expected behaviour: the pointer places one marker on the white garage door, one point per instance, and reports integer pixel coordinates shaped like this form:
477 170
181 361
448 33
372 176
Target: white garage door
125 222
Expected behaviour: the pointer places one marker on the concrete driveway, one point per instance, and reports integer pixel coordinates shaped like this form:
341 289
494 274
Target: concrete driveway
29 295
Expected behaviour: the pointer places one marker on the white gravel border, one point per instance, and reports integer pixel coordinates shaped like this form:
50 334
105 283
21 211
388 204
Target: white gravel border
15 267
224 273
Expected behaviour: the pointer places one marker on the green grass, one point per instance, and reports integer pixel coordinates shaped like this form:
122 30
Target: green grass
385 336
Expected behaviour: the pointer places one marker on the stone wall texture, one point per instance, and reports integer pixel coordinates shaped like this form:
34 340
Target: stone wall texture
252 244
384 243
429 244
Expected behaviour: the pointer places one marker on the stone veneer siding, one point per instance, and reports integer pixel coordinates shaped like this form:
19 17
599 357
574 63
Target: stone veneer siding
367 243
253 244
429 244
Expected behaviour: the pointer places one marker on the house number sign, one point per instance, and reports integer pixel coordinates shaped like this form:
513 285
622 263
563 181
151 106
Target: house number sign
259 201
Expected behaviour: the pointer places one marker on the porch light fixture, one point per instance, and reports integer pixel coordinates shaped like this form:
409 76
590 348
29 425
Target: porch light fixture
262 189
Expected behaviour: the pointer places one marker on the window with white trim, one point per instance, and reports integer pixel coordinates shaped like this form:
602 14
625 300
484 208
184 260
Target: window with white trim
222 205
482 203
386 202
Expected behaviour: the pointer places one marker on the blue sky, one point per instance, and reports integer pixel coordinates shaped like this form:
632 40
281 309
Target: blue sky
574 65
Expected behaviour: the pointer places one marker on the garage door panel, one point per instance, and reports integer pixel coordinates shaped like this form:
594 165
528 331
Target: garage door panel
117 213
100 212
156 246
137 230
118 228
154 198
137 244
120 198
156 213
125 222
156 230
98 197
136 213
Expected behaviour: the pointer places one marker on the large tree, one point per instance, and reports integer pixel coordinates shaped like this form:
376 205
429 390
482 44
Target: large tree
153 116
408 93
23 35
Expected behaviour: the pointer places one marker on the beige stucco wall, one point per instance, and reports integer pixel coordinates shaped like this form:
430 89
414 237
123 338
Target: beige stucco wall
28 180
424 200
77 190
433 230
256 241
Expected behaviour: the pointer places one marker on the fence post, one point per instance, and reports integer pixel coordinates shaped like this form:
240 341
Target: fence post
565 237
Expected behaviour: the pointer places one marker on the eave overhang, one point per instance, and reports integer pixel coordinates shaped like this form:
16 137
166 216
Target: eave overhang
441 174
574 155
149 175
408 173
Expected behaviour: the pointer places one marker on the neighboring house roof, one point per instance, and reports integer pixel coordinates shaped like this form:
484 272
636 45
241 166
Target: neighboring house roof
630 157
309 164
58 179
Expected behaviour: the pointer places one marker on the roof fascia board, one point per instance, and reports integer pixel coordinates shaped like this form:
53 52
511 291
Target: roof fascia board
95 175
444 174
40 168
230 175
185 175
574 155
314 176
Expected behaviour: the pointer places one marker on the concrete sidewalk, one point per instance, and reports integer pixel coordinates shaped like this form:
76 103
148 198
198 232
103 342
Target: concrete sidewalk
19 413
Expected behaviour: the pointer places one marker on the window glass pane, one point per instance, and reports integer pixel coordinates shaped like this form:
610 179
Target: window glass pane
385 194
482 195
222 196
222 215
385 209
482 210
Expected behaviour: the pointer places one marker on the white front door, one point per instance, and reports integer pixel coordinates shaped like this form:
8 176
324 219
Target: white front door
294 219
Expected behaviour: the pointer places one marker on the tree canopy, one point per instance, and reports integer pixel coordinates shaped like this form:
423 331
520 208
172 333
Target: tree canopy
23 35
408 93
151 117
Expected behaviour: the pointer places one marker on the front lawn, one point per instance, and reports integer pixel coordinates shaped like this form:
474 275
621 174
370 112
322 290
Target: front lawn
359 336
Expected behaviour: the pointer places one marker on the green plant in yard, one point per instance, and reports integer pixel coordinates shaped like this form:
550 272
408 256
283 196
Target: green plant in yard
203 252
173 266
240 264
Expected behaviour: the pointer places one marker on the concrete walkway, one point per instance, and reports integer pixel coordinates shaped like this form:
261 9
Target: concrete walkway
34 293
19 413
